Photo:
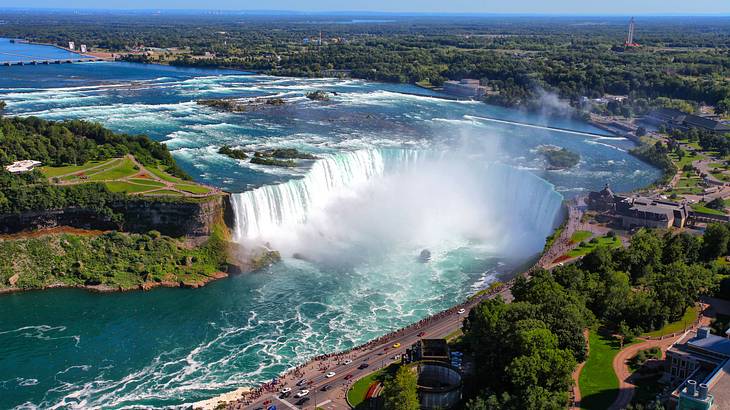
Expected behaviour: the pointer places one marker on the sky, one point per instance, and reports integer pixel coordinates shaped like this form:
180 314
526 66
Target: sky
592 7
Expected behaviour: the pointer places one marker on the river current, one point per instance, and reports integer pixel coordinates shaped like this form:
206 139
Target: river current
397 173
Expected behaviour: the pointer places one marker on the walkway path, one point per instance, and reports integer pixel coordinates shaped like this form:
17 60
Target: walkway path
620 366
576 375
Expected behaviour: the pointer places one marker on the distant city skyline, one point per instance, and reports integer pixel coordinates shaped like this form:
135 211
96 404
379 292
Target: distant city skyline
615 7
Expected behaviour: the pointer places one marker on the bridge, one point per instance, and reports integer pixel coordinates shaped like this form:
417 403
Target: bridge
8 63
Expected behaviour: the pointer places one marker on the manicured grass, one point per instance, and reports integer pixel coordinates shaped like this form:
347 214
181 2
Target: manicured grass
356 394
58 171
588 247
148 182
193 189
163 175
700 207
598 382
689 316
165 192
122 186
580 236
687 159
125 169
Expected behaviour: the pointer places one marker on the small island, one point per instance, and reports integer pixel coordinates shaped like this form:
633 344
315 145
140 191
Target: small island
237 106
232 152
280 157
559 158
318 95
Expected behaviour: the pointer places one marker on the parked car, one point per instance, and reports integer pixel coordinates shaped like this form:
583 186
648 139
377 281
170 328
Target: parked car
326 387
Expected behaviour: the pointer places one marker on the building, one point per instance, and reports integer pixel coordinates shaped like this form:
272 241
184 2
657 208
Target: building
603 200
430 349
71 45
699 365
83 48
466 88
676 119
19 167
651 213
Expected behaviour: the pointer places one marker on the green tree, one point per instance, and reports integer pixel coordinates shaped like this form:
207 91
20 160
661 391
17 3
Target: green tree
715 241
400 392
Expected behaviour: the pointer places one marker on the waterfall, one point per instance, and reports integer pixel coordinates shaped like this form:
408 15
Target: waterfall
263 210
518 200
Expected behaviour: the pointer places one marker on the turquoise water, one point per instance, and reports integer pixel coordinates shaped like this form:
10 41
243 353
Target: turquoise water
32 52
398 173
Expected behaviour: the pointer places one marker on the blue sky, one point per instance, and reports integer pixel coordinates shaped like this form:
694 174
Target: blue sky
623 7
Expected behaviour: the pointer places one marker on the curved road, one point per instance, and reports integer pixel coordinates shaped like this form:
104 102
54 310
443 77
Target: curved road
376 356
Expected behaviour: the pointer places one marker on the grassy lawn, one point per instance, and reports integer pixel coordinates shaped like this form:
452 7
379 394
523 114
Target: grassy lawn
165 192
148 182
356 394
193 189
125 169
588 247
580 236
689 316
160 172
700 207
598 383
122 186
686 159
58 171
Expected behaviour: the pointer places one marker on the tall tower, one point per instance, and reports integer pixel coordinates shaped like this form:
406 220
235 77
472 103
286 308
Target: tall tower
630 38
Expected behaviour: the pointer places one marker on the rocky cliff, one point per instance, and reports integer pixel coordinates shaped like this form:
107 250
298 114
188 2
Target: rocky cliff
193 219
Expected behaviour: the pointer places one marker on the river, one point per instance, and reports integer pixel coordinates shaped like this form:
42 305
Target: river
397 173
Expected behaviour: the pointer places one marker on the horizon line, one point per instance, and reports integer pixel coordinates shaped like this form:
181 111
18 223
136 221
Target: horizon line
358 12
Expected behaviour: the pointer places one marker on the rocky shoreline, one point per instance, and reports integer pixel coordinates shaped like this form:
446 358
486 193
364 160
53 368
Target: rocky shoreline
113 289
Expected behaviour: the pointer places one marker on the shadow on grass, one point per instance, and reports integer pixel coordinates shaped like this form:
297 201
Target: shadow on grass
602 381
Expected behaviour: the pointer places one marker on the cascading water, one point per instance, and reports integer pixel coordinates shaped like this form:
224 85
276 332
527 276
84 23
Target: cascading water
518 202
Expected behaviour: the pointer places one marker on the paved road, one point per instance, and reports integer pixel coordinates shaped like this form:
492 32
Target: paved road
376 356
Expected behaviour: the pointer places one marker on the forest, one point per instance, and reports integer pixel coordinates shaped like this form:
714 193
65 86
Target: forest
526 350
521 58
67 143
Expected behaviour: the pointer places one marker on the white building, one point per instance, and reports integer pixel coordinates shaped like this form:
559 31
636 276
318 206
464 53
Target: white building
18 167
83 48
71 45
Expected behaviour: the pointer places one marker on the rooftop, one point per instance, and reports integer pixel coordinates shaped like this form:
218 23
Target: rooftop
22 166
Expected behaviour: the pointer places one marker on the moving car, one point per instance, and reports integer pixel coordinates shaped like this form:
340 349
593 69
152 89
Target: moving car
326 387
330 375
462 310
302 393
363 366
285 390
302 401
348 361
421 334
302 382
396 345
348 377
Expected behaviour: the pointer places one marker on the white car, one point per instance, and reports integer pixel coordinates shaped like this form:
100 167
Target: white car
348 361
301 393
461 311
285 390
330 375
